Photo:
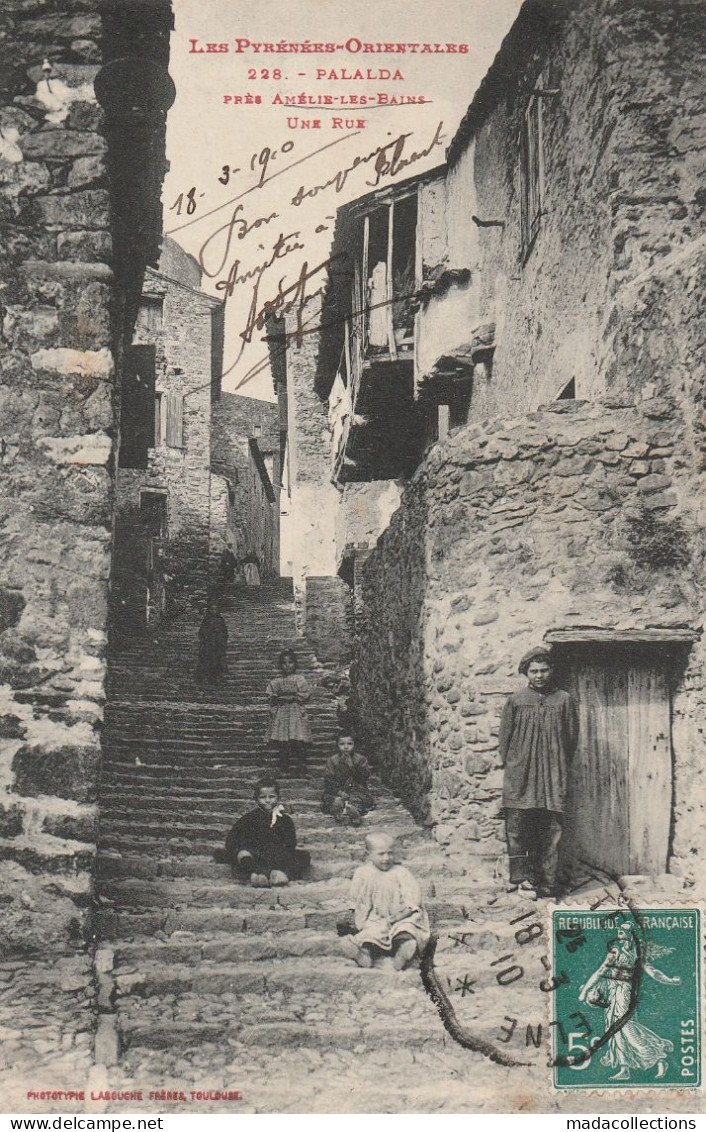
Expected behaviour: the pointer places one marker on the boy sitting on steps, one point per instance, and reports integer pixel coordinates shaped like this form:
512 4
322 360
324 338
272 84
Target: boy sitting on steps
346 790
261 846
388 912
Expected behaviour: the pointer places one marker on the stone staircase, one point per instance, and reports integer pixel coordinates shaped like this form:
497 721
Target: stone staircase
213 986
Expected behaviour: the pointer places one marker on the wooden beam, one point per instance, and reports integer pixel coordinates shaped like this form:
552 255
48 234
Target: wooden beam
390 284
621 636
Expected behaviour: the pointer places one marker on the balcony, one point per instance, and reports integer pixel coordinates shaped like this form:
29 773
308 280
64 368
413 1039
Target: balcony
368 343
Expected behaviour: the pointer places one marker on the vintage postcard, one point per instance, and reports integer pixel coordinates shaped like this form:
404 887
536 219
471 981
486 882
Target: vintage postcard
351 567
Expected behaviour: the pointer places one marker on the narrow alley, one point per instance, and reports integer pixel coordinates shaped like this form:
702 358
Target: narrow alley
222 987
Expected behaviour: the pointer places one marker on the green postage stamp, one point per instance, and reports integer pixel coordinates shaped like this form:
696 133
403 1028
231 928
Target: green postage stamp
627 998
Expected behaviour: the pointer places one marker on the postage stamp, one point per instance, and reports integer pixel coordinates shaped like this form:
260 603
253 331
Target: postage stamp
627 1005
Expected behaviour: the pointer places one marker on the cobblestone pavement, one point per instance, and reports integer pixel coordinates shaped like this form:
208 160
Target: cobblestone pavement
47 1012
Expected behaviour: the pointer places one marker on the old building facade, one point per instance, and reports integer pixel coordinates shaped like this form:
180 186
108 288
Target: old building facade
548 375
163 502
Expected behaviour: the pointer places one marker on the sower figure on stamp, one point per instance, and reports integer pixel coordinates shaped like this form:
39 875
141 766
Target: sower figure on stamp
611 987
538 737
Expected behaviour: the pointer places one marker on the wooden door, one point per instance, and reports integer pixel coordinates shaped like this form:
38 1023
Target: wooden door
650 768
621 779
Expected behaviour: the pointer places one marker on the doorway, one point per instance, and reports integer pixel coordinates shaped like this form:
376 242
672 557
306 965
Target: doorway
620 805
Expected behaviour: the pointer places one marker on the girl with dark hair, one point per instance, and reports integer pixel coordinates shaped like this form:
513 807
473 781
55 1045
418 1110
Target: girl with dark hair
289 730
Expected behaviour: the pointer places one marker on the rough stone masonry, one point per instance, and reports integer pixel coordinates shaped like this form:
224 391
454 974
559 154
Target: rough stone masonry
580 515
67 290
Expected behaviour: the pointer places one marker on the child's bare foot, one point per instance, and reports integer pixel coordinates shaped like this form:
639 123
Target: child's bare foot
278 878
259 880
404 954
359 955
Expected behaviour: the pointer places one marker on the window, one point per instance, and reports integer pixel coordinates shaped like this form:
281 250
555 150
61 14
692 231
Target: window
149 314
389 268
137 407
158 420
531 169
153 512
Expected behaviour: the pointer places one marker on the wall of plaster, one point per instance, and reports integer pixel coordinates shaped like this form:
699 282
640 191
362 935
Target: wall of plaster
313 498
445 321
364 512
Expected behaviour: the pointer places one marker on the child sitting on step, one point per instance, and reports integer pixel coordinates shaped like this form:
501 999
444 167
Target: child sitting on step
261 846
389 916
346 791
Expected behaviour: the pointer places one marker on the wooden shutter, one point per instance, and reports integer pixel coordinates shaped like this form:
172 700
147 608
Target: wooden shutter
175 420
531 168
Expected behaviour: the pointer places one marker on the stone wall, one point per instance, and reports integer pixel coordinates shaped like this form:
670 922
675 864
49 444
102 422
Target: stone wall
328 619
250 521
56 453
313 498
579 515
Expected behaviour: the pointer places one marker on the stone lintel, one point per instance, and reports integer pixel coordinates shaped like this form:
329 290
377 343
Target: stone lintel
622 636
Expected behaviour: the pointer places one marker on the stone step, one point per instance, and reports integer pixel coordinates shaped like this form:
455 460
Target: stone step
225 948
157 842
118 924
168 893
319 840
238 769
252 981
307 814
218 795
140 866
154 731
418 855
227 758
206 775
194 811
